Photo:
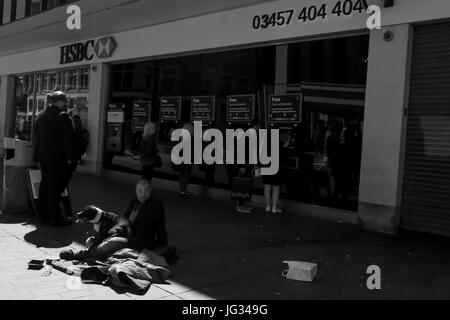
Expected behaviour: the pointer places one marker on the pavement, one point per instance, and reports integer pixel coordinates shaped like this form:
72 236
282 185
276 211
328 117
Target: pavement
225 255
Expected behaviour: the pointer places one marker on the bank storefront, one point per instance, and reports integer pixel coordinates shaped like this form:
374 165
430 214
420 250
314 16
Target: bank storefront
344 84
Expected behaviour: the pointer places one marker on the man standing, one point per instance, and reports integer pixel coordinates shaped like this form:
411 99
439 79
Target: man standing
53 141
147 217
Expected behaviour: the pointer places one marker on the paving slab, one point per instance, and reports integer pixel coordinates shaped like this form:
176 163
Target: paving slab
224 255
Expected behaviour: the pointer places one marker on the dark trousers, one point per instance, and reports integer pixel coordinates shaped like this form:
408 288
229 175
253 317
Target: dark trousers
147 173
71 168
185 173
53 183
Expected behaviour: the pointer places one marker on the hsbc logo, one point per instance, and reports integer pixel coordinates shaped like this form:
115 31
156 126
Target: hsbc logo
81 51
105 47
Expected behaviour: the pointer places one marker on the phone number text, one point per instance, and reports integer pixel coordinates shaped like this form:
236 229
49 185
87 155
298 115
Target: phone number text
309 14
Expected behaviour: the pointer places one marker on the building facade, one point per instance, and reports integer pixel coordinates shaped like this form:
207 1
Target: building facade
384 90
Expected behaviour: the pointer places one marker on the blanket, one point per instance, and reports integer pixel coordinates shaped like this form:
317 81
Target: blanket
126 270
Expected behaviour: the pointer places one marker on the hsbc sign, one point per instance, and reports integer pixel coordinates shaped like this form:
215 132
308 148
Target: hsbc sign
86 51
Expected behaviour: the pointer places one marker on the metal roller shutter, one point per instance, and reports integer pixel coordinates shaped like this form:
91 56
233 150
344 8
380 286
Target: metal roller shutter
426 184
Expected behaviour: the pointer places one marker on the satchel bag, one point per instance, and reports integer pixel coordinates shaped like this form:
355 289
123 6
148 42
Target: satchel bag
241 189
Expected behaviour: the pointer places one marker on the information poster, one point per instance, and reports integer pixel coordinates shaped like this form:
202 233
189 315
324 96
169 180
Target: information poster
170 109
285 108
116 113
141 114
203 108
241 108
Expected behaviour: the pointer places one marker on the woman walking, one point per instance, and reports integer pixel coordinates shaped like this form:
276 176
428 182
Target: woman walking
273 184
149 151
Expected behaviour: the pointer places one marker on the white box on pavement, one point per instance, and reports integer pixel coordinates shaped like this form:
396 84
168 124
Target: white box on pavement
300 271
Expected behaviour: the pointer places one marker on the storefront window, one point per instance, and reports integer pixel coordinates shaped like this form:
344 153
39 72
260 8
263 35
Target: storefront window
169 79
74 80
33 7
84 81
53 80
334 89
67 81
324 157
45 83
210 81
28 103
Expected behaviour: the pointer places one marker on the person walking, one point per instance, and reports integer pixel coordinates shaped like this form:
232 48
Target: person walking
149 151
343 167
53 140
186 168
81 136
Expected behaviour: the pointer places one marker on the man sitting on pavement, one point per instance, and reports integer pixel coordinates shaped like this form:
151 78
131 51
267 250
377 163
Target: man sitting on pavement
111 232
142 227
147 218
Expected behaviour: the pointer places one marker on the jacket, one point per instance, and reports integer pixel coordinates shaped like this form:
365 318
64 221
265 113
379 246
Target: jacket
111 225
53 137
148 231
149 150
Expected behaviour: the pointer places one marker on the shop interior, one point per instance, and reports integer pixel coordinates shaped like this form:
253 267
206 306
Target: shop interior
325 152
325 155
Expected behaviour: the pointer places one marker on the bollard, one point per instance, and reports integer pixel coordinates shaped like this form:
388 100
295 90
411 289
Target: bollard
18 156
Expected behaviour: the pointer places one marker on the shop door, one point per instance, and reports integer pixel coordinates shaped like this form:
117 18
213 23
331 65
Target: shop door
426 184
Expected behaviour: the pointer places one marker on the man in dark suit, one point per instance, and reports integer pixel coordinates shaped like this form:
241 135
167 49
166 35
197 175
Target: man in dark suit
147 217
53 140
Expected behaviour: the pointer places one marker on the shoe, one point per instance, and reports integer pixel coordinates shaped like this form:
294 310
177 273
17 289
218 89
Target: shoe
67 255
276 211
268 209
81 255
243 209
185 194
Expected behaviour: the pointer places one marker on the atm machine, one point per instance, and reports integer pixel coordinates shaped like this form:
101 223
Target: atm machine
169 120
114 131
284 113
169 116
241 111
203 108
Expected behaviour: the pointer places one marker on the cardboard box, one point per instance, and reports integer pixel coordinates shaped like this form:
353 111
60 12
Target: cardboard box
300 271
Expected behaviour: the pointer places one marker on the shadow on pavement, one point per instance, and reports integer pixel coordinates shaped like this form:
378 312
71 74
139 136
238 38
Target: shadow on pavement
44 236
41 239
16 218
225 255
56 237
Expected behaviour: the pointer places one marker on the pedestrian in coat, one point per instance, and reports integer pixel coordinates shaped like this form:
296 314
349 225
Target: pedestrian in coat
53 140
